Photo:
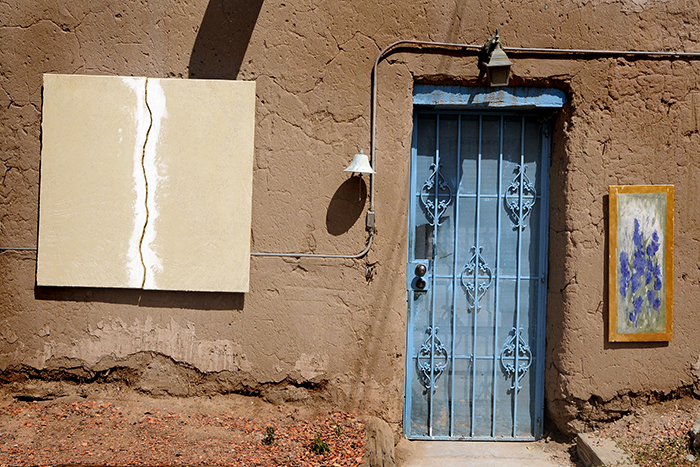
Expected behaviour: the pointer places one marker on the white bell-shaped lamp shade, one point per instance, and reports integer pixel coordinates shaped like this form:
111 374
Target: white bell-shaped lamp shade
360 164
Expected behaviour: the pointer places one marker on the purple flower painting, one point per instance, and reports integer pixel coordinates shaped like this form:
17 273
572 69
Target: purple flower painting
644 274
640 262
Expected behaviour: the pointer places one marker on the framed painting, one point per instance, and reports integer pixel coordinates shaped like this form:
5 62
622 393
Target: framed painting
640 263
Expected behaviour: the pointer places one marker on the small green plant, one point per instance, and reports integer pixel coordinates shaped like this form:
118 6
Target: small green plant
337 428
269 435
319 446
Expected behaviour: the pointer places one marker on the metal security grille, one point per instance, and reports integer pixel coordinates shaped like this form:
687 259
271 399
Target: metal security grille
476 275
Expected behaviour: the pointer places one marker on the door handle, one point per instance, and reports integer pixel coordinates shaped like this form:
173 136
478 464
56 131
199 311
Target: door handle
420 271
419 284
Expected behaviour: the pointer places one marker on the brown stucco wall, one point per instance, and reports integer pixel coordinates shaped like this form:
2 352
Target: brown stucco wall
338 326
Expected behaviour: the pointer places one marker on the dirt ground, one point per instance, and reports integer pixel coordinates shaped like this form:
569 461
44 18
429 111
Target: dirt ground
60 424
65 424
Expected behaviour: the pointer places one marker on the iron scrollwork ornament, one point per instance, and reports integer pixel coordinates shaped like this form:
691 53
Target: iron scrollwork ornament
519 208
432 359
435 202
516 344
475 270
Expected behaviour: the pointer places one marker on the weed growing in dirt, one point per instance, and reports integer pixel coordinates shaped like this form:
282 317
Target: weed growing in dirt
319 446
675 451
269 435
337 428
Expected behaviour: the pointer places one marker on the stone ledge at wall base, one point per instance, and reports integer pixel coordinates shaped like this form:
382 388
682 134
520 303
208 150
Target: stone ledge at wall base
695 371
695 435
380 444
595 452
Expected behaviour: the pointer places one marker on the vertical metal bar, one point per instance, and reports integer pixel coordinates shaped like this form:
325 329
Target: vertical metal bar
542 299
517 276
433 304
455 266
496 285
476 275
408 390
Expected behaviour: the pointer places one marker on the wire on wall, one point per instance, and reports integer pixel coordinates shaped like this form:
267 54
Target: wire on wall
416 46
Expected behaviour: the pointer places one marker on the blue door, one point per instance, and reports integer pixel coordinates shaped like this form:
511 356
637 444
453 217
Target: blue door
477 275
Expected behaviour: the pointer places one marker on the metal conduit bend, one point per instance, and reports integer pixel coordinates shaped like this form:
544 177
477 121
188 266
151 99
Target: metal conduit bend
474 49
416 46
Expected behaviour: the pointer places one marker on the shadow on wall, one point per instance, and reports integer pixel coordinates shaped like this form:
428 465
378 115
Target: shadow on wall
223 38
346 206
144 298
218 52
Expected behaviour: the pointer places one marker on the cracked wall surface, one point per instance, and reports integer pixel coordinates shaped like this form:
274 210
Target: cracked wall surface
321 322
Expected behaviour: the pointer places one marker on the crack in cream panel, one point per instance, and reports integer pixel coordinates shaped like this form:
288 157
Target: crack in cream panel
146 183
142 119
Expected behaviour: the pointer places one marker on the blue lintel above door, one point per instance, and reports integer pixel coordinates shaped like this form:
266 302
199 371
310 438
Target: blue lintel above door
502 98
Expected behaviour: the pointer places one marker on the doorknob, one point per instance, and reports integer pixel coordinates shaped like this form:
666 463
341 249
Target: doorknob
421 270
415 273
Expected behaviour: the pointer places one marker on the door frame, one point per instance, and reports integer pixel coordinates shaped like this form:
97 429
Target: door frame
502 101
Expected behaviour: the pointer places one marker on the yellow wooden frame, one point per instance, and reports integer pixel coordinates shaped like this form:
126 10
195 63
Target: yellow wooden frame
618 328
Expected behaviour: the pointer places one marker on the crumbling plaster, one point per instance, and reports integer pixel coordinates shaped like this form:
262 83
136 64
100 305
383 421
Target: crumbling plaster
339 325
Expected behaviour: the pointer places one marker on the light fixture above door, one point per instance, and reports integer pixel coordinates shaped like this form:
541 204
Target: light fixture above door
494 60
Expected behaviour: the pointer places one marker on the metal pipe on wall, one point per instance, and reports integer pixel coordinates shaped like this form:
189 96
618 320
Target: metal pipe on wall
469 50
417 46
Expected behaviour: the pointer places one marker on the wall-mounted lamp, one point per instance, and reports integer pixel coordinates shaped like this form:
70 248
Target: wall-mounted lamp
360 164
494 59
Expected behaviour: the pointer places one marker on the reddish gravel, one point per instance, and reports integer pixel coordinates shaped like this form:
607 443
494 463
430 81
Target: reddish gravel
136 430
657 435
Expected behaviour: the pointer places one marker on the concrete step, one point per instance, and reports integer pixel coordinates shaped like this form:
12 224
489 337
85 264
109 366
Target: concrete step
474 454
594 452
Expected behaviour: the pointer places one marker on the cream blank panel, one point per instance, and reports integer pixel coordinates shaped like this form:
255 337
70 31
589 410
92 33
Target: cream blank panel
146 183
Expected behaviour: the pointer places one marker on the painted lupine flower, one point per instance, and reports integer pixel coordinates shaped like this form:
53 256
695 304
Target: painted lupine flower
641 280
637 304
637 236
654 301
624 274
638 265
654 245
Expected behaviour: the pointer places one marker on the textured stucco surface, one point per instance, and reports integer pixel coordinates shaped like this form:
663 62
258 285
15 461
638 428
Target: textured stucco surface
339 325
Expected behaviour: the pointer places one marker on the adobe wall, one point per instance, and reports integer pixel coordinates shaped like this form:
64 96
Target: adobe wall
336 328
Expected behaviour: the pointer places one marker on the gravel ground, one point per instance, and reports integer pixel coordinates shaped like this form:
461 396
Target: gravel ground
124 428
112 425
657 435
